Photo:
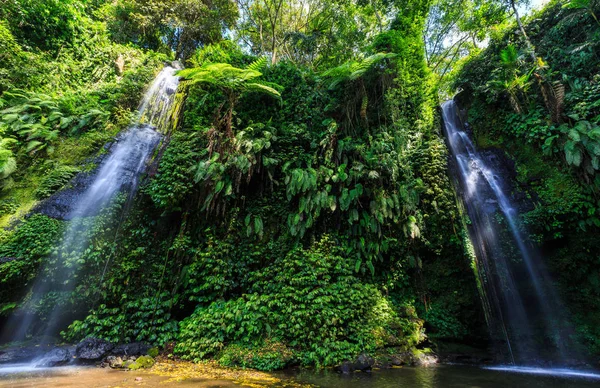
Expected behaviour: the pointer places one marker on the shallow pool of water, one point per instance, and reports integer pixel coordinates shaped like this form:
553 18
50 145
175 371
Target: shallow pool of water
452 376
22 376
440 376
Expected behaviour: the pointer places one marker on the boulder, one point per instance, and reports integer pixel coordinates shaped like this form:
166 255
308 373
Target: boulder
18 354
363 363
142 362
115 362
120 65
55 357
132 349
93 349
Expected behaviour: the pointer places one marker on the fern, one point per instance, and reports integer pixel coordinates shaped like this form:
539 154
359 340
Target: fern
233 82
258 65
351 71
37 119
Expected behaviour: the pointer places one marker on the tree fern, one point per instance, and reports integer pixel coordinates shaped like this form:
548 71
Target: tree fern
233 82
351 71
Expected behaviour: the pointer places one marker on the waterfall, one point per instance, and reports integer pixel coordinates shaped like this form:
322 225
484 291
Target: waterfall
118 172
523 310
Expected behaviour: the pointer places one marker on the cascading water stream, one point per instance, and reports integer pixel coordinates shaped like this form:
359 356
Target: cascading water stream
118 172
523 309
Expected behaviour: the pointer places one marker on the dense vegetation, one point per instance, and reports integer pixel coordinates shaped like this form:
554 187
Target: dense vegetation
301 211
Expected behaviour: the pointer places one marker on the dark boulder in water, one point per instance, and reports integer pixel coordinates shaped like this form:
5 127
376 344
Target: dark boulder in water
93 349
56 357
362 363
18 354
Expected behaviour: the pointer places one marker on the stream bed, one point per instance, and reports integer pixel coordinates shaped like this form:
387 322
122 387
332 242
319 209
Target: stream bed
440 376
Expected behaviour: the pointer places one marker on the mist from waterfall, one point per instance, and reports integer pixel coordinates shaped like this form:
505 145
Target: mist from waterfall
523 310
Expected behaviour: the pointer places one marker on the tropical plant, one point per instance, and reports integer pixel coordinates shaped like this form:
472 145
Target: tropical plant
585 5
38 119
233 82
8 162
580 143
509 79
353 71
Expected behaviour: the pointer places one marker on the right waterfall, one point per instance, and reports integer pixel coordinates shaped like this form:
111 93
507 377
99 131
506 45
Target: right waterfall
525 316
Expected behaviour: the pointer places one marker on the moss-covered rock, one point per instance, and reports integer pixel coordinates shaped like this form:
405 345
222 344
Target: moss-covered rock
143 362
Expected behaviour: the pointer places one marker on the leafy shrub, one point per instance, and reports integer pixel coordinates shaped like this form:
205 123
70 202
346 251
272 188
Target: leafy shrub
267 356
28 245
55 180
138 319
309 300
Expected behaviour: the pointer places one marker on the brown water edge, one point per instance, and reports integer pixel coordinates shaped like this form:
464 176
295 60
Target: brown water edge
162 374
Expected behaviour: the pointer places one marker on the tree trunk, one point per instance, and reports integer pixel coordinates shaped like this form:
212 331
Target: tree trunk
527 41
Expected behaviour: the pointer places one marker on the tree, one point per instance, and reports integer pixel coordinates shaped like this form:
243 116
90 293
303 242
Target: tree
233 82
183 25
316 33
457 28
353 72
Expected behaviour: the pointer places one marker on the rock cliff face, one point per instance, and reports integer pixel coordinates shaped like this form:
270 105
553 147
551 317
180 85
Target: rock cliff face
61 205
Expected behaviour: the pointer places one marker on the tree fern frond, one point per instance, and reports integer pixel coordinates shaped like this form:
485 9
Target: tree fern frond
351 71
258 64
259 87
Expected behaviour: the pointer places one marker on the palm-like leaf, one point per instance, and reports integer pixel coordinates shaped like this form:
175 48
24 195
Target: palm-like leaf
225 76
351 71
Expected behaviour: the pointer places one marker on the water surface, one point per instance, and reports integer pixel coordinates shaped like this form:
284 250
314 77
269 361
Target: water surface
440 376
445 376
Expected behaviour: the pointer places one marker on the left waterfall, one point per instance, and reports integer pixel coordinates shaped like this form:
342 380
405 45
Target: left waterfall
118 172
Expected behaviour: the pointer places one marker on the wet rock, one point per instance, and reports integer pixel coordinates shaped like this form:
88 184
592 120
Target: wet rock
362 363
92 349
466 359
55 357
132 349
115 362
16 355
345 367
424 359
153 352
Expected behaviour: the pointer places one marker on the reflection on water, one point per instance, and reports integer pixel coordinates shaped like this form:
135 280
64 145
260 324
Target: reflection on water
443 376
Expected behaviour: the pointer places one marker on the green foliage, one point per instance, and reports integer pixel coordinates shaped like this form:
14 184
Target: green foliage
228 247
232 80
26 248
351 71
174 180
322 330
138 319
37 119
268 356
55 181
8 162
47 24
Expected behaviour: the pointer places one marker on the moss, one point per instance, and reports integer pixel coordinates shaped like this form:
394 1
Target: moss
143 362
153 352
